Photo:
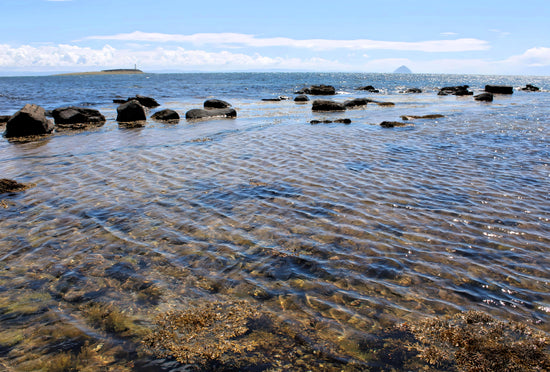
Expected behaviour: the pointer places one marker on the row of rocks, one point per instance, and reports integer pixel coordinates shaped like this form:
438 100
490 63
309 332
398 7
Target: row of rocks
329 105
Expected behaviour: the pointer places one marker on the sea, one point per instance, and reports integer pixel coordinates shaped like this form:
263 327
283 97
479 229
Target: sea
284 245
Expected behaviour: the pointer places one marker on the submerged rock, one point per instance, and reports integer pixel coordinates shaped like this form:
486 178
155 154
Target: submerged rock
211 113
131 111
461 90
29 121
484 97
166 115
77 115
327 105
340 121
7 185
391 124
215 104
499 89
431 116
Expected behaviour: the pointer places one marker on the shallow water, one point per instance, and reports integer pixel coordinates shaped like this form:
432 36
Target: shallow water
355 227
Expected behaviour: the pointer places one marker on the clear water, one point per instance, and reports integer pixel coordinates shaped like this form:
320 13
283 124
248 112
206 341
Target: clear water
356 226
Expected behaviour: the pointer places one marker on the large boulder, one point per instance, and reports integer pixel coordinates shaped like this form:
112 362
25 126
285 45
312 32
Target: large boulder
130 111
461 90
166 115
215 104
357 102
484 97
319 90
77 115
327 105
499 89
211 113
29 121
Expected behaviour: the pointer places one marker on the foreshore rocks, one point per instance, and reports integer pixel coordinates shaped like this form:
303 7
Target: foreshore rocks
166 115
369 88
499 89
29 121
412 91
211 113
4 119
318 90
215 104
392 124
530 88
340 121
327 105
430 116
143 100
130 111
71 115
484 97
461 90
7 185
357 102
301 98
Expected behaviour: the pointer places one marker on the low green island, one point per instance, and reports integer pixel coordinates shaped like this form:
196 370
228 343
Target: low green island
117 71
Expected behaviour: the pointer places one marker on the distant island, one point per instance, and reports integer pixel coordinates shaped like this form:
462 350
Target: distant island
403 70
116 71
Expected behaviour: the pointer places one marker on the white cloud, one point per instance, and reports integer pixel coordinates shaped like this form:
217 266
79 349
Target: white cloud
534 57
246 40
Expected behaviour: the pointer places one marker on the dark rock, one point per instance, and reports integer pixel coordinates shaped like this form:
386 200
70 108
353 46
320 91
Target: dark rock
145 101
11 186
77 115
319 90
166 115
357 102
131 111
215 104
431 116
340 121
391 124
327 105
499 89
413 90
369 88
119 101
461 90
272 99
301 98
29 121
485 97
384 104
121 271
211 113
4 119
530 88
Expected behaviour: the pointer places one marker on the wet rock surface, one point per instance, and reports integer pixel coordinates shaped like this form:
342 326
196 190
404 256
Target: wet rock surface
499 89
29 121
215 104
327 105
211 113
131 111
167 115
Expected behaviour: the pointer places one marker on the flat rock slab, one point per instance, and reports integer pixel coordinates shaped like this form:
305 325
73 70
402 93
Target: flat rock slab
499 89
77 115
327 105
211 113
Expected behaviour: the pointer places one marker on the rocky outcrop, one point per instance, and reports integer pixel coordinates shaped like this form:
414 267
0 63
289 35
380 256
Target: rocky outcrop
357 102
211 113
461 90
215 104
392 124
301 98
327 105
130 111
166 115
499 89
412 90
484 97
369 88
319 90
7 185
67 116
29 121
4 119
530 88
340 121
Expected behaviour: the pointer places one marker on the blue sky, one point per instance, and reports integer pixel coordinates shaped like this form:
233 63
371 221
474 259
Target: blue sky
477 37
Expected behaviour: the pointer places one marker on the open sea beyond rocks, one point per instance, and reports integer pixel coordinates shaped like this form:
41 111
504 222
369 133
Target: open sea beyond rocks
276 244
